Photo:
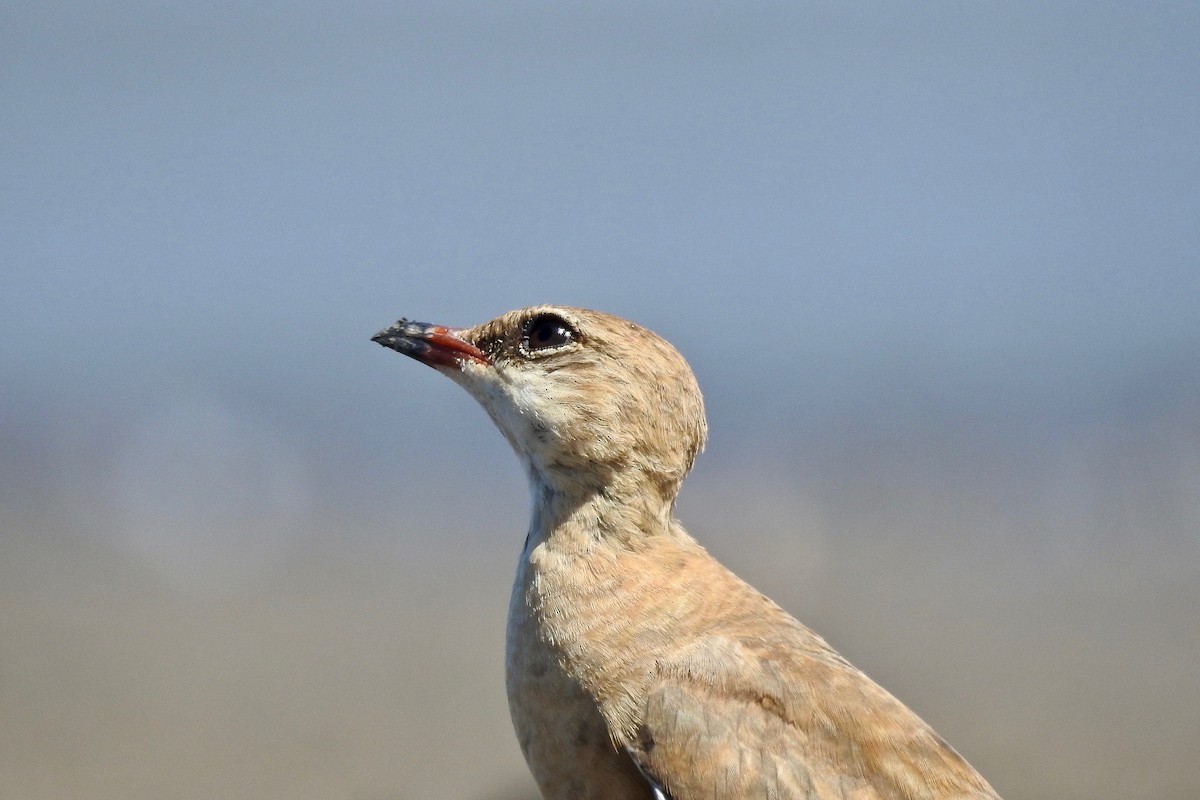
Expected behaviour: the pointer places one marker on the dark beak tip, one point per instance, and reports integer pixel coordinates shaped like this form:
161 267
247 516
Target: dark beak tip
388 336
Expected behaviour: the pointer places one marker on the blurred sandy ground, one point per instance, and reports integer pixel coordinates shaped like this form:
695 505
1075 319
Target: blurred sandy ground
1040 606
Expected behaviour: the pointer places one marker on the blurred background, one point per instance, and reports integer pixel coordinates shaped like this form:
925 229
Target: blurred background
935 265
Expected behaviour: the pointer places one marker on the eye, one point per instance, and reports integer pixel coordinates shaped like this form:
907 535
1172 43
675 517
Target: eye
547 332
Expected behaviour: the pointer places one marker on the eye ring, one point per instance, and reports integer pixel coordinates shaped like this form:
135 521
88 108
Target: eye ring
545 333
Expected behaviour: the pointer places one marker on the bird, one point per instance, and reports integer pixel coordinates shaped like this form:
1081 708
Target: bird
637 665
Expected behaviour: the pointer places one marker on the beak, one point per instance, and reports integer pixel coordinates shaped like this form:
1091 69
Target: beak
434 345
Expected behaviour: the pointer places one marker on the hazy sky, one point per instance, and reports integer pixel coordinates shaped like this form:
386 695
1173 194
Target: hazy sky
207 209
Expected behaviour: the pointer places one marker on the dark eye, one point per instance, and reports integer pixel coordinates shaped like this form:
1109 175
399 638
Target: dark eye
547 332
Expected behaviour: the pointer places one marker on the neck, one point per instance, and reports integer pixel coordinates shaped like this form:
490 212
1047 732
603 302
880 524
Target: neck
583 591
571 516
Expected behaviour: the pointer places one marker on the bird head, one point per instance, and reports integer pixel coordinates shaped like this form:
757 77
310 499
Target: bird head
587 400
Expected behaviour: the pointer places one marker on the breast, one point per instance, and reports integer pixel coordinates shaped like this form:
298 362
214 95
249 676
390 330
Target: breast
562 735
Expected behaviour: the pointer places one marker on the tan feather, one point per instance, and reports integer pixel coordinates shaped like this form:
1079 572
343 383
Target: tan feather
635 660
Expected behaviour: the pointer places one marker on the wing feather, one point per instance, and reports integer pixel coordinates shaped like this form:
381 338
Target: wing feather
727 720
